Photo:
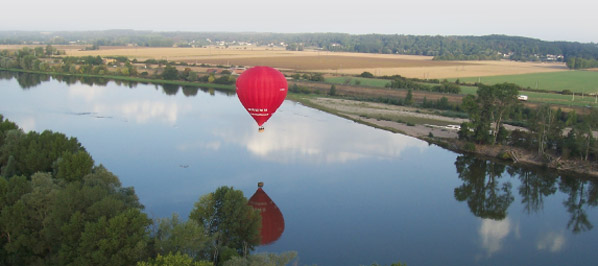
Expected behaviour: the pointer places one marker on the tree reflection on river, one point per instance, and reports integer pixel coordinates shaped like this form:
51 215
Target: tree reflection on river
488 191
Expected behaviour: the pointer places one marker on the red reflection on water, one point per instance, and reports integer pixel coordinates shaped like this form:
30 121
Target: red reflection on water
272 220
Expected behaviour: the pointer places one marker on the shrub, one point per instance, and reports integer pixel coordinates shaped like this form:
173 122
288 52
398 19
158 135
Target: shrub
469 146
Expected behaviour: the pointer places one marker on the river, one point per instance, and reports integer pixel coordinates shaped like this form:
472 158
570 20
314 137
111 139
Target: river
350 194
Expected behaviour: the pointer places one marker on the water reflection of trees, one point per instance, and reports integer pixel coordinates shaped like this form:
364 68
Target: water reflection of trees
581 196
30 80
486 196
170 89
25 80
488 193
534 187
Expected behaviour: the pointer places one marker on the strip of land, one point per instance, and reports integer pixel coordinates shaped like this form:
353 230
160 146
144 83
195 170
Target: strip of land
434 128
412 66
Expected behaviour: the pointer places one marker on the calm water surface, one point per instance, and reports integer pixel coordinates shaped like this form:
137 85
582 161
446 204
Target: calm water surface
350 194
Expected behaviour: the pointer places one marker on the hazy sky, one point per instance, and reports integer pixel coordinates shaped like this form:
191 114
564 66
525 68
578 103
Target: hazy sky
571 20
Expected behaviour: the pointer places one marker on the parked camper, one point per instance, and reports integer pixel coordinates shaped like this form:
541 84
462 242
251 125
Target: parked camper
522 97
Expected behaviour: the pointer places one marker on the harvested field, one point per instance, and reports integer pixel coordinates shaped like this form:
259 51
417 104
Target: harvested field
328 62
323 61
331 63
466 69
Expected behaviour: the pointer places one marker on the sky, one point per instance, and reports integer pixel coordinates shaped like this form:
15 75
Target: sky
550 20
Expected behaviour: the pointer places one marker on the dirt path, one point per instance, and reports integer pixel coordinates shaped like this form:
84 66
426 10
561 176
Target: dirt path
420 123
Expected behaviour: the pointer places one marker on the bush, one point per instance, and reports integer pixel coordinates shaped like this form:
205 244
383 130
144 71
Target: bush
469 146
366 74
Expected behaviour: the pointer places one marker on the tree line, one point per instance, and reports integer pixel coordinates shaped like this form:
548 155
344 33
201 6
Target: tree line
581 63
43 60
58 208
490 47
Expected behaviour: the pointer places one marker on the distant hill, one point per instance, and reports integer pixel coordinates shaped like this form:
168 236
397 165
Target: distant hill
491 47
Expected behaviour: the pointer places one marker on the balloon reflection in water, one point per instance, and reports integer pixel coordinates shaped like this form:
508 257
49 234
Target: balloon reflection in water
272 220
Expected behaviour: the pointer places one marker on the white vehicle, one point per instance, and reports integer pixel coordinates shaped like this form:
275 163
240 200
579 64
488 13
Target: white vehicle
522 97
457 127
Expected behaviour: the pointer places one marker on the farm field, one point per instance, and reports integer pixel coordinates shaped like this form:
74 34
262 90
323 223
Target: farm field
567 100
411 66
574 80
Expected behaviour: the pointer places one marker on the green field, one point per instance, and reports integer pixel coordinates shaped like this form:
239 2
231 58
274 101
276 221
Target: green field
575 81
548 97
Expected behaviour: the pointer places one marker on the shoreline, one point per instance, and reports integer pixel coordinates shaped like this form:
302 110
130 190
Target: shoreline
365 113
423 124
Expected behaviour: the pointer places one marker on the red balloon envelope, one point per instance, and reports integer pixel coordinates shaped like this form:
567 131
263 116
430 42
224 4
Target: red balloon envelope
261 90
272 220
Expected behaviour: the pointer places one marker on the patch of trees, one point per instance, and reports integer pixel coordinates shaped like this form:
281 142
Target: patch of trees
581 63
318 77
399 82
551 133
58 208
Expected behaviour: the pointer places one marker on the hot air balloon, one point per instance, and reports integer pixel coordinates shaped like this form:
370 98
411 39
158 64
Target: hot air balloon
261 90
272 220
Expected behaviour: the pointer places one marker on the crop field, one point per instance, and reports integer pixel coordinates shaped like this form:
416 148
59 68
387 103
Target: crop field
329 62
411 66
574 81
567 100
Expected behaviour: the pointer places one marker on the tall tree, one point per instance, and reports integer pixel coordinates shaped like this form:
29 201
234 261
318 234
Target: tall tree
491 105
170 73
187 237
505 97
479 115
228 220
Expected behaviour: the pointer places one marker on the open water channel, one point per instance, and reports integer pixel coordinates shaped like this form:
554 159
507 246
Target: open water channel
350 194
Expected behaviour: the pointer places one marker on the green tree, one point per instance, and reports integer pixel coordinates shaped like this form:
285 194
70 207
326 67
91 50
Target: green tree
546 127
332 91
177 259
505 98
174 236
71 167
263 259
366 74
121 240
479 115
228 220
409 98
170 73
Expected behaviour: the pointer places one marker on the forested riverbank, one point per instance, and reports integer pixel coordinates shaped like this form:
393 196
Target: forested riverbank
57 207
